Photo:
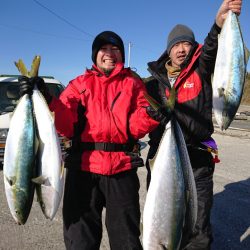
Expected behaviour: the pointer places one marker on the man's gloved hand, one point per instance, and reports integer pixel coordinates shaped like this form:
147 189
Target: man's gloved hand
162 115
42 87
26 87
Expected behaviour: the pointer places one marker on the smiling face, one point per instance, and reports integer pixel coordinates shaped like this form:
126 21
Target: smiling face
107 57
179 52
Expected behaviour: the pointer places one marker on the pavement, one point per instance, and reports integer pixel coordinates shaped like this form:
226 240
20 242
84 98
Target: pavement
230 214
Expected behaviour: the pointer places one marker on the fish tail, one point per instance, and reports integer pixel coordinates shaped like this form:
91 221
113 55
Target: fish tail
35 66
22 68
154 104
168 103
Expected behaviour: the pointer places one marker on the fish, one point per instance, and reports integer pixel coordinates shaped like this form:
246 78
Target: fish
50 169
19 161
165 204
230 72
189 180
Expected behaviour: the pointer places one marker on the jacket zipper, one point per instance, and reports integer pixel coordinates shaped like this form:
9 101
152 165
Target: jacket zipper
113 103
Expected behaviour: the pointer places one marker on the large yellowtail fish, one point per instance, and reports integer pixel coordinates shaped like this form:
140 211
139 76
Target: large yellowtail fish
19 161
165 205
50 180
190 186
230 72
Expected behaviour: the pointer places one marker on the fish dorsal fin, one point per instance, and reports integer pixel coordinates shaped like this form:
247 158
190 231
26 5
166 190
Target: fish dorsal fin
247 54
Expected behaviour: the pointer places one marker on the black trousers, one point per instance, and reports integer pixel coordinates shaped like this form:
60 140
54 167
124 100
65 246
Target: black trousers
203 169
85 196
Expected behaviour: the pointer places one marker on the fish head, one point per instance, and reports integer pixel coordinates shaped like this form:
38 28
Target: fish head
18 199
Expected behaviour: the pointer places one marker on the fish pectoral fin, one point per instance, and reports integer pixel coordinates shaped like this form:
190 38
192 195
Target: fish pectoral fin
42 180
11 180
221 92
163 246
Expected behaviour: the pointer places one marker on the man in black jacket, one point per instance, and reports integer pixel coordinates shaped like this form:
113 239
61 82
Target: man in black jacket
187 66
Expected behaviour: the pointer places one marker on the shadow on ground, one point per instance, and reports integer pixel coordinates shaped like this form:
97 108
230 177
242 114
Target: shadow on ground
230 206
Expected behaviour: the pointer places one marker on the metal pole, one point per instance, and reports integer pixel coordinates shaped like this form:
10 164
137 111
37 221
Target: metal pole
129 47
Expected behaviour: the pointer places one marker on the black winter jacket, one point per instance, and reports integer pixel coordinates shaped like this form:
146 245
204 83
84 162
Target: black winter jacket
193 105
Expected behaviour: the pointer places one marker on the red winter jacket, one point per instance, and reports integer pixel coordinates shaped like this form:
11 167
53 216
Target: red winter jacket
114 111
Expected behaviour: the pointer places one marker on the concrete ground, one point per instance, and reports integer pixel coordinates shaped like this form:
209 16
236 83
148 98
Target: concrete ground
230 215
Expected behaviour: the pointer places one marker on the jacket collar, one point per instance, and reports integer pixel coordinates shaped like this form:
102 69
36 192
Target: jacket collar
158 69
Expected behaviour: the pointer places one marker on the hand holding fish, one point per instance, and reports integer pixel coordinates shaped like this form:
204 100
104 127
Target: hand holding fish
233 5
42 87
162 114
27 86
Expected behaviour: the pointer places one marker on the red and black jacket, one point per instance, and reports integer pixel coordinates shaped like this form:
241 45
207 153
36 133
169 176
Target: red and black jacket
193 106
114 112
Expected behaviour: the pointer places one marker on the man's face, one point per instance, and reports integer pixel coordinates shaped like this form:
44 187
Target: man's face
107 57
179 52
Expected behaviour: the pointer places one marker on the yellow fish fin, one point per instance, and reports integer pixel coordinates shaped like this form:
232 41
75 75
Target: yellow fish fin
22 68
35 66
62 169
247 54
154 104
171 100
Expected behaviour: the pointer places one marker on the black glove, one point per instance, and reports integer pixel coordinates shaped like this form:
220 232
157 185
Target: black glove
26 87
42 87
162 115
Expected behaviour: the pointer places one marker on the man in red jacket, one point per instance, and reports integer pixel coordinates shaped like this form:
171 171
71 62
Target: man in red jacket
104 112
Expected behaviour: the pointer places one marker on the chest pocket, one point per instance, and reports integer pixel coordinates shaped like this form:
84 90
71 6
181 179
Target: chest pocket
189 89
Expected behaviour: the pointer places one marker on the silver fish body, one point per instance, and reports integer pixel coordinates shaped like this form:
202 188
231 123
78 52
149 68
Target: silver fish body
50 178
19 161
230 72
164 209
190 186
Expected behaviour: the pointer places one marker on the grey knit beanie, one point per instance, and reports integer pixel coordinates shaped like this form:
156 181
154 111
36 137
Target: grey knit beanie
180 33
